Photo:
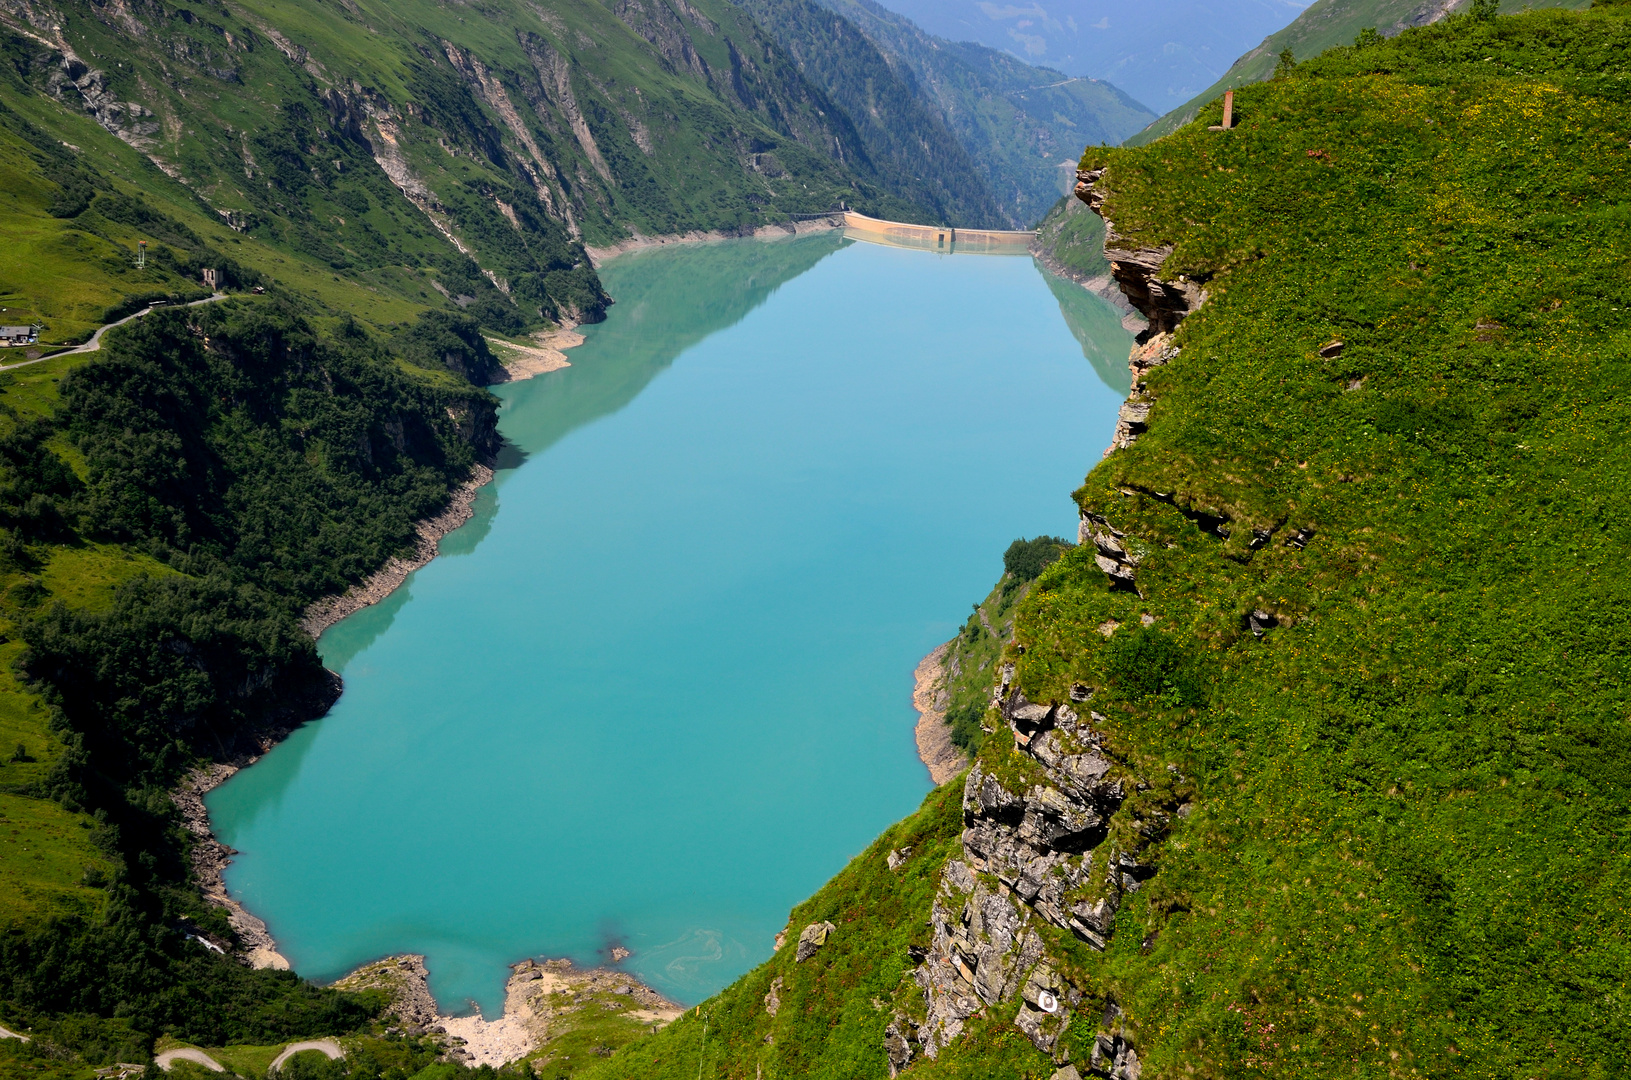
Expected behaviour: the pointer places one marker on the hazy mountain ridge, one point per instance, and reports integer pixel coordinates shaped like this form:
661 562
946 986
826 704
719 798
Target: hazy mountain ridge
1161 51
1019 123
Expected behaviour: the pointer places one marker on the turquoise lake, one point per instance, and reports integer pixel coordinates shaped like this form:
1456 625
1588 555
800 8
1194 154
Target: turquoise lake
658 690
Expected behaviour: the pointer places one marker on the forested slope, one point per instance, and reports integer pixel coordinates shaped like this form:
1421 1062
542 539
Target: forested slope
1345 626
168 511
902 130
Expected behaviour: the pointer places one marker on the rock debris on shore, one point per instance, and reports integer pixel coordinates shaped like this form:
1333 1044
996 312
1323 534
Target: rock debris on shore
540 1001
460 508
934 746
210 859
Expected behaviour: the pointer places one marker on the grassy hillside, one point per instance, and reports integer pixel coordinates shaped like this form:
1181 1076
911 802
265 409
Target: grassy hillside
384 158
1323 25
1019 123
1374 612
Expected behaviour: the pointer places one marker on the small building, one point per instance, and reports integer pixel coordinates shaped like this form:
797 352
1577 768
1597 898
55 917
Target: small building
212 278
19 335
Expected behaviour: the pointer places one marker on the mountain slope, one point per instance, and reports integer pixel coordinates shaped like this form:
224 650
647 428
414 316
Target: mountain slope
1323 25
905 137
1324 722
425 155
1019 123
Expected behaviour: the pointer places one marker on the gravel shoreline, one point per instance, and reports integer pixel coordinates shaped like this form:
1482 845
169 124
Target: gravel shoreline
383 582
598 255
943 757
210 859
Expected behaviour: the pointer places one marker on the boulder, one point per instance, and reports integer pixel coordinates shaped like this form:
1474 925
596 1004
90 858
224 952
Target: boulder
1261 622
814 936
1114 1057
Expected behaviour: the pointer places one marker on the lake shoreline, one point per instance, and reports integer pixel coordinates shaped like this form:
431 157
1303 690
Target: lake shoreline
942 757
532 1011
781 230
210 858
756 273
324 613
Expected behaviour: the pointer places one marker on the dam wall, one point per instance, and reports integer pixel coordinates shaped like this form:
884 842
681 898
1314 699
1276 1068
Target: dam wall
946 238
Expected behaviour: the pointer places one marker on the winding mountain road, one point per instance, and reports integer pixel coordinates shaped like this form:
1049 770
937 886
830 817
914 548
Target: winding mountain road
327 1046
96 339
169 1057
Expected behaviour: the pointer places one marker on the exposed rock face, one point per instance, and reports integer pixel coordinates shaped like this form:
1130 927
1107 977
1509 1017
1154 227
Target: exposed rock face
1030 856
1114 553
930 698
1114 1057
1137 268
814 936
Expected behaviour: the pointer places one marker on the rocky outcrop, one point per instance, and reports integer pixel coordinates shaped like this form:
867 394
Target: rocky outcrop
1165 303
1034 851
543 1000
405 981
812 939
1137 268
1113 551
930 698
1045 249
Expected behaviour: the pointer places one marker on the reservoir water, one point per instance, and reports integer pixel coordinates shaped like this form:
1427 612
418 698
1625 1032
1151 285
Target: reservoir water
659 688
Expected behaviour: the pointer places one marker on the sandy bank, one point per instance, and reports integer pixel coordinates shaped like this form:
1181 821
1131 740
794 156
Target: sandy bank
598 255
943 757
541 1002
547 353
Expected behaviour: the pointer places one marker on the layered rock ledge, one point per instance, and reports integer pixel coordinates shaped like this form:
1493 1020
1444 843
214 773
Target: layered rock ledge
1034 851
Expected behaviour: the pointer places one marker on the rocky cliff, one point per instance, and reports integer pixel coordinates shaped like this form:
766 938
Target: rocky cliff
1057 825
1054 836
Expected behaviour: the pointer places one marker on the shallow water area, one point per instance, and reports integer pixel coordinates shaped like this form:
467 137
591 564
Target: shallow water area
658 690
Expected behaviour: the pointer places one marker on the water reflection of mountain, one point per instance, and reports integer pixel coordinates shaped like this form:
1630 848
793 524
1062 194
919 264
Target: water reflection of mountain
668 299
1097 327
